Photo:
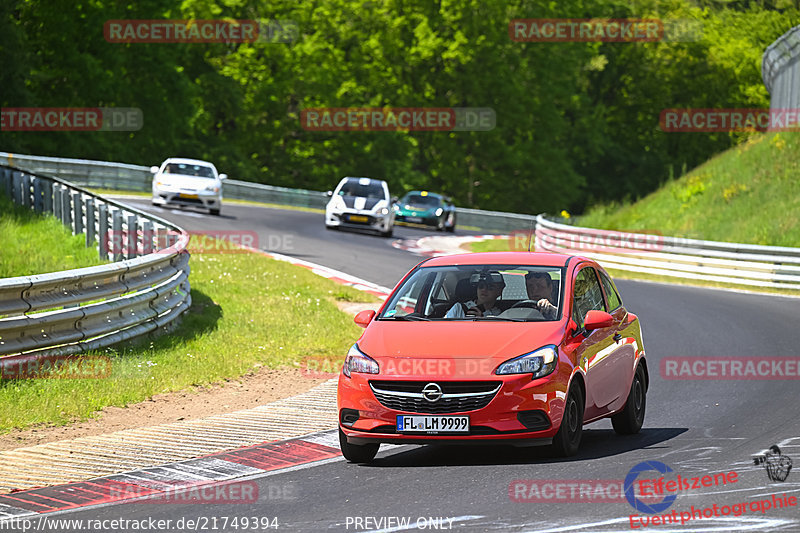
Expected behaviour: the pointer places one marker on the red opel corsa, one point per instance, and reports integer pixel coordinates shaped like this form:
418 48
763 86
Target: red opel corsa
504 347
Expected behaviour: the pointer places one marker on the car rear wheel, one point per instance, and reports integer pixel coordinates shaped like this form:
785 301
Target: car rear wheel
568 439
631 418
357 453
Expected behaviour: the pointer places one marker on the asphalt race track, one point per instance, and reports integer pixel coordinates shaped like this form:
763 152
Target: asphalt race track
694 427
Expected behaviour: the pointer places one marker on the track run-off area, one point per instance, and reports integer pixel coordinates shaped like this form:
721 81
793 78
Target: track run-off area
709 427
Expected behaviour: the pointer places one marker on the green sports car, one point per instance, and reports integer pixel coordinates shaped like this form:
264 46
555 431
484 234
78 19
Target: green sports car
426 208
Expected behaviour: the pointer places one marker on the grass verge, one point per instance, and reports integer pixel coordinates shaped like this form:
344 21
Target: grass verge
247 311
37 244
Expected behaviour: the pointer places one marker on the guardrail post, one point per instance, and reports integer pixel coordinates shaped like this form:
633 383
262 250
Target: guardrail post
47 195
15 186
102 230
4 180
147 237
89 206
132 235
77 209
116 235
25 198
66 208
161 238
57 202
38 199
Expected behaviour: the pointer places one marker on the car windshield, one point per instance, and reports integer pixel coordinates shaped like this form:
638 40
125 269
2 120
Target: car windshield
184 169
354 188
435 293
418 199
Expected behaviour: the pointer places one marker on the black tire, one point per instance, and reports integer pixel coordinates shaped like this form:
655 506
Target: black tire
451 229
357 453
388 233
568 439
330 227
214 212
630 420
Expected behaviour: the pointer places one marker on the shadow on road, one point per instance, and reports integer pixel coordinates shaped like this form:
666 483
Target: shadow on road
596 443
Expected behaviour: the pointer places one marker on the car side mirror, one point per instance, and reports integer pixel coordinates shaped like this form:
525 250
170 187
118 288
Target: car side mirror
364 317
597 320
395 199
329 194
154 170
223 176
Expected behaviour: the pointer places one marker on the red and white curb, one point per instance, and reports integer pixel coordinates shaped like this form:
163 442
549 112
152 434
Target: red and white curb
438 246
201 480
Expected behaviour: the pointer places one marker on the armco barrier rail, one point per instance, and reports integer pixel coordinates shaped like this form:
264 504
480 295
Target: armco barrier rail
124 177
742 264
70 312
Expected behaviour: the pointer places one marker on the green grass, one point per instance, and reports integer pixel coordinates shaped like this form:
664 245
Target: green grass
247 311
37 244
749 194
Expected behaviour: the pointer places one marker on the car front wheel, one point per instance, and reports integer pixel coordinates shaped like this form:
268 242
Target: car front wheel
568 439
357 453
630 420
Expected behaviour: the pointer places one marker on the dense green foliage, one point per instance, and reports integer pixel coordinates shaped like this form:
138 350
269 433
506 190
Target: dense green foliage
577 123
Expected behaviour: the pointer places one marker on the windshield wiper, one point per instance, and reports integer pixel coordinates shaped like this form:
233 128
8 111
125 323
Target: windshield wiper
406 317
503 318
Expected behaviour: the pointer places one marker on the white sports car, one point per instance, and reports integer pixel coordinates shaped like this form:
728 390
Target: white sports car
188 182
361 203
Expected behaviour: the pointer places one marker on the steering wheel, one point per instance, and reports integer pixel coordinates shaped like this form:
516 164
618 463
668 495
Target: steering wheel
526 303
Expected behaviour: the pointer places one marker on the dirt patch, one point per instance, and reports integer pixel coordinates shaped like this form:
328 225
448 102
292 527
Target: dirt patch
252 390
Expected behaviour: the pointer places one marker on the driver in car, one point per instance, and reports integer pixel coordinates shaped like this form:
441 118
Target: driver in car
490 286
540 291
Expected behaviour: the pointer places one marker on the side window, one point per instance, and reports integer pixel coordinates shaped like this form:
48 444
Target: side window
586 296
611 293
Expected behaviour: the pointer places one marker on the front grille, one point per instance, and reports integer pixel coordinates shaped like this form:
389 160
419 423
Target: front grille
457 396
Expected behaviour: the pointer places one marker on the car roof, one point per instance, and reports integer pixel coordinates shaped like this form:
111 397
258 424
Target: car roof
181 160
347 178
495 258
427 193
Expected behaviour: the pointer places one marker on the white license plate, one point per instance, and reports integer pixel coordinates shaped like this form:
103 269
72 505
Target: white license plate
432 424
416 220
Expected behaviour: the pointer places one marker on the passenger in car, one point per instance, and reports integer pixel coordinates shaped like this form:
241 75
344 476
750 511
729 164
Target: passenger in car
490 287
540 290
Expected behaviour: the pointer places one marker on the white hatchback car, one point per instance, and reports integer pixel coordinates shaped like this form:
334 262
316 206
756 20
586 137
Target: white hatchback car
361 203
188 182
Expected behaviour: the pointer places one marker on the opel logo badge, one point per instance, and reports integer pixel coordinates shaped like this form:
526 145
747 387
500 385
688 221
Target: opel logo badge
432 392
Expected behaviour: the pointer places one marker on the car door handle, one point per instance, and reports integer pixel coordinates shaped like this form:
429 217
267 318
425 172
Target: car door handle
617 337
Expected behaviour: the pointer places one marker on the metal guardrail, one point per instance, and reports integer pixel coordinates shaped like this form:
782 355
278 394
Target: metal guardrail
70 312
742 264
124 177
780 70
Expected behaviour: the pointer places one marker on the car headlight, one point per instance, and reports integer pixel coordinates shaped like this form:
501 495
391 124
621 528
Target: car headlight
540 363
383 211
439 212
395 207
356 361
213 188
